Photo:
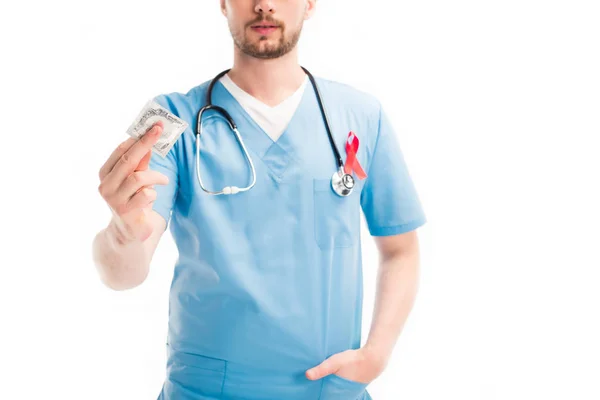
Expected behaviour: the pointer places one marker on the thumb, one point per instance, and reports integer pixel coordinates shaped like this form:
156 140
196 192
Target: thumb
329 366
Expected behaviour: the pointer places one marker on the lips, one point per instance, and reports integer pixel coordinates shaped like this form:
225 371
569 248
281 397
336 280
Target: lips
264 29
263 26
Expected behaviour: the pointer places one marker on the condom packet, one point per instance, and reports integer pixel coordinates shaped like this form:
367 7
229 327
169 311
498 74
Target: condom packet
148 116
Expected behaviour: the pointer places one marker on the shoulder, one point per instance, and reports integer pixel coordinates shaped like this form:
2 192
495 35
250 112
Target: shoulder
360 112
184 104
349 97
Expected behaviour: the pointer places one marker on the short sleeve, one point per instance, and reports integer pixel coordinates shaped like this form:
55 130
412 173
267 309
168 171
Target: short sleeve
165 194
389 199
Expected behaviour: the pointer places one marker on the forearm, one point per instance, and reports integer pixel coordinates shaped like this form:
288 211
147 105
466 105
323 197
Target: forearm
397 283
121 264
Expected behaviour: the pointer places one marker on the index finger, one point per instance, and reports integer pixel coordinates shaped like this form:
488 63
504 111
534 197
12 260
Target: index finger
119 151
143 165
115 155
129 160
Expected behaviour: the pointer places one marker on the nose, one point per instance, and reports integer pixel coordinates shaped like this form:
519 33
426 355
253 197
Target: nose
265 6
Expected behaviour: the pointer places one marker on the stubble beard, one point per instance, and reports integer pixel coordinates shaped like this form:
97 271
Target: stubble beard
258 50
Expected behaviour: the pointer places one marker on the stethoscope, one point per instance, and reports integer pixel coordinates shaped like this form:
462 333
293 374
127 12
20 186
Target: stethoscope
341 182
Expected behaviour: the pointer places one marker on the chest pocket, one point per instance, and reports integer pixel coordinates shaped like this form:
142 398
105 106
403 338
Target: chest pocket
337 218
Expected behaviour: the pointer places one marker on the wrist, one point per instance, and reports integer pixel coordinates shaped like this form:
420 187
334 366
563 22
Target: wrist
117 234
377 353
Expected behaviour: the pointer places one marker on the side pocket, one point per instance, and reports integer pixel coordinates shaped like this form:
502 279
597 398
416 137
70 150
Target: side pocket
335 216
336 387
193 373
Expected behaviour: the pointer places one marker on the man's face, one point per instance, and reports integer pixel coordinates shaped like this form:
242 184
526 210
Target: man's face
266 29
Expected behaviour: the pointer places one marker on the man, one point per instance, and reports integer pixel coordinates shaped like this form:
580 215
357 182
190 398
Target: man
266 297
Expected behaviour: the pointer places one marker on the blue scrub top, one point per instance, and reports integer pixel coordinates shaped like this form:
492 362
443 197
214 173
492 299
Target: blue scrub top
268 282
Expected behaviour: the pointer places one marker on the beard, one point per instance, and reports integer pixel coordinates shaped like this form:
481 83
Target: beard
262 49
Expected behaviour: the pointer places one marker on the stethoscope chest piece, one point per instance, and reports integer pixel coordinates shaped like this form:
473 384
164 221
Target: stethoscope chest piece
342 183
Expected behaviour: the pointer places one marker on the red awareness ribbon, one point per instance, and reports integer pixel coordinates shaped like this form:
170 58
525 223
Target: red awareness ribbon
351 160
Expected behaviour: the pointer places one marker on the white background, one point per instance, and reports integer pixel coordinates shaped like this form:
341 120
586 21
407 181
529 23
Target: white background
496 105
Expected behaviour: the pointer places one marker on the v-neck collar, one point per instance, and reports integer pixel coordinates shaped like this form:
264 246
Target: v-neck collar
282 140
276 155
256 102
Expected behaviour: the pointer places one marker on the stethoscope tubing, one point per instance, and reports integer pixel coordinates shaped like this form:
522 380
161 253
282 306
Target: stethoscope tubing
337 177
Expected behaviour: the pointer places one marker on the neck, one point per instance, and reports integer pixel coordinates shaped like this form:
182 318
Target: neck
269 80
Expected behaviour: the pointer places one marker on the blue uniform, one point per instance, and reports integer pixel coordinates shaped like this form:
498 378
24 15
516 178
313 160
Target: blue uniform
268 282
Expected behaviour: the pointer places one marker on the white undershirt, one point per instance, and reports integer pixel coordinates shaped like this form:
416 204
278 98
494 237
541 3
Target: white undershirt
273 120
